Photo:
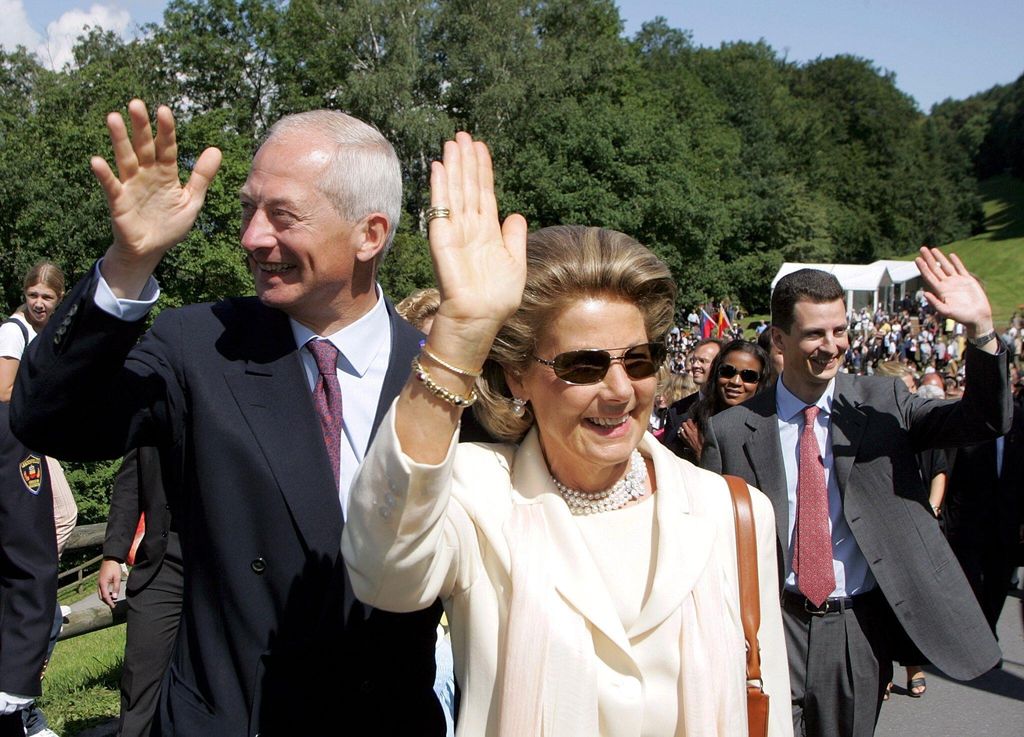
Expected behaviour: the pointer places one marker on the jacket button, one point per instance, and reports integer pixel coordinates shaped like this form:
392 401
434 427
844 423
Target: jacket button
258 566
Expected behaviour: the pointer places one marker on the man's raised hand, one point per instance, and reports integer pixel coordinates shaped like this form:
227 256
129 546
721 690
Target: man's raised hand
954 292
150 209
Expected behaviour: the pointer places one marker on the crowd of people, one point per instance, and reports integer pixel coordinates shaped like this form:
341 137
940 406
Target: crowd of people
321 474
911 334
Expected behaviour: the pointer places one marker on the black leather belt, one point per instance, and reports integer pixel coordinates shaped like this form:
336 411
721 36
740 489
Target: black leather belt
796 601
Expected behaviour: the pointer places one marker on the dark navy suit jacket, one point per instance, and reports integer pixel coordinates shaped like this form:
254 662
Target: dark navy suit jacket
265 644
28 564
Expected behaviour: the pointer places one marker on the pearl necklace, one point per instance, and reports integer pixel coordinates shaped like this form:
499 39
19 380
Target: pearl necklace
631 486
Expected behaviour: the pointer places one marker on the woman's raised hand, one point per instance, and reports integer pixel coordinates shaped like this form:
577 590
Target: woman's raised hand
480 263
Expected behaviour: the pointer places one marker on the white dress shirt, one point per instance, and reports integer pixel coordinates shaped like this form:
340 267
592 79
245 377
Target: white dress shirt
364 353
848 563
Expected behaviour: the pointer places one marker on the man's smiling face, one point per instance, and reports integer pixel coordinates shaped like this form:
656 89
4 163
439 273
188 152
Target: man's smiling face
813 348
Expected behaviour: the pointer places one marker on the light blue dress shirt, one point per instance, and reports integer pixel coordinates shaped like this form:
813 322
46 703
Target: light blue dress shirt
848 562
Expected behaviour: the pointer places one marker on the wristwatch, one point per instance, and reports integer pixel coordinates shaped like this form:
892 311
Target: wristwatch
980 340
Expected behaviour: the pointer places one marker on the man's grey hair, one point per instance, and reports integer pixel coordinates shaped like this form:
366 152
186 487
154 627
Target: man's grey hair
930 391
363 175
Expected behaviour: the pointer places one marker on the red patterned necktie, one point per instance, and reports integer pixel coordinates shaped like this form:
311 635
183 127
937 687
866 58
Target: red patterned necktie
812 557
327 399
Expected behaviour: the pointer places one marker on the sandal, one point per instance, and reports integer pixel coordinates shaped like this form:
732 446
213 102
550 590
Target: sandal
915 683
888 691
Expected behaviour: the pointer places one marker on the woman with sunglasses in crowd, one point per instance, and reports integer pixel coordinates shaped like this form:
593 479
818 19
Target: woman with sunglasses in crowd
739 371
589 575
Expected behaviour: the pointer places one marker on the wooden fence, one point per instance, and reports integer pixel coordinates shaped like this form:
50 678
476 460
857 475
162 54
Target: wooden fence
98 616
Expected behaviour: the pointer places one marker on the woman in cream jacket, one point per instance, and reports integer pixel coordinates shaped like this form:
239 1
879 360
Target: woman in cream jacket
589 575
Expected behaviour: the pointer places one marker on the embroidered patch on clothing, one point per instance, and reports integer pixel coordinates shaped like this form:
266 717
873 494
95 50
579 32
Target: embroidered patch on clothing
32 473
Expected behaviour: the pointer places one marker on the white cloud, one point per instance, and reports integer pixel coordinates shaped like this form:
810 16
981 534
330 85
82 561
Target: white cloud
55 50
15 28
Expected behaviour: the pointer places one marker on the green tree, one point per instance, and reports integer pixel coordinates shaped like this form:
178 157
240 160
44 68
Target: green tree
221 56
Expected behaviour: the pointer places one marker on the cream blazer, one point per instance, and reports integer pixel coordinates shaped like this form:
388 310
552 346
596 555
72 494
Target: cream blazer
539 647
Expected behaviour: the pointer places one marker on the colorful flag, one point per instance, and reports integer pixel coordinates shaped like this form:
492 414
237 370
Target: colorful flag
707 324
723 323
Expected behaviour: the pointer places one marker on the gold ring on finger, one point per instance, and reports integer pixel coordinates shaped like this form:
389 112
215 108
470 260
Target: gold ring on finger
437 212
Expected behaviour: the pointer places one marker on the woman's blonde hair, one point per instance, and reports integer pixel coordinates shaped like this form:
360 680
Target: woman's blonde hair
894 369
564 264
419 306
672 386
46 273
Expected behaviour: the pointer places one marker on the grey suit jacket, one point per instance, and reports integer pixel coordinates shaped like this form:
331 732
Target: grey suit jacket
877 427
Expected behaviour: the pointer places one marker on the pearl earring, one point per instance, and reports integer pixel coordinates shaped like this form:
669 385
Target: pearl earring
518 406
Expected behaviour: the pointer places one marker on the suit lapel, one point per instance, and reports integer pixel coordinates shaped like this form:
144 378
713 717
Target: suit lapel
573 572
848 423
764 454
685 542
273 396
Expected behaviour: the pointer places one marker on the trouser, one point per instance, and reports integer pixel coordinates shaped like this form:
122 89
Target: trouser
32 717
988 565
153 616
839 664
11 726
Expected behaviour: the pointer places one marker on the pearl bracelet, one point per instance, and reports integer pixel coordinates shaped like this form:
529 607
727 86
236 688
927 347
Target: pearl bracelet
439 391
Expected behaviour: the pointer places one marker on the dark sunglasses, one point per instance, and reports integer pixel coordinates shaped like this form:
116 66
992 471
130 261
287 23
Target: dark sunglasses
748 376
591 365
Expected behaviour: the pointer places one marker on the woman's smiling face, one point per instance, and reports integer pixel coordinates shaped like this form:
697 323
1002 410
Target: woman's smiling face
589 431
735 390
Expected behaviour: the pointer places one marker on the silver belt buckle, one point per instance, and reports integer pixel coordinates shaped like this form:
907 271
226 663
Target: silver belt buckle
810 609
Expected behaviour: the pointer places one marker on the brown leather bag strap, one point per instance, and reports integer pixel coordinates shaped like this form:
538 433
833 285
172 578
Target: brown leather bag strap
746 556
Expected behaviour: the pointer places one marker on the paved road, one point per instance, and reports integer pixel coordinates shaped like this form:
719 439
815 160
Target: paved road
990 706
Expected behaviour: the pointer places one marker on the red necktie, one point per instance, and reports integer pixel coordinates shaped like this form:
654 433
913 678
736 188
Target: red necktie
327 399
812 557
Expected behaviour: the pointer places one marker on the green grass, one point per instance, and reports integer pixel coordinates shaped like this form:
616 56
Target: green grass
997 254
80 688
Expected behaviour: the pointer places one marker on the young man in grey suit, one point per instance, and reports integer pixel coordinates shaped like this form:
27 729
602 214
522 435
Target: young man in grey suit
272 401
857 540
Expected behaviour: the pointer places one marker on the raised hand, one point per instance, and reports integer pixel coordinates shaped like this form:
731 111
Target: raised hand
480 263
150 209
953 291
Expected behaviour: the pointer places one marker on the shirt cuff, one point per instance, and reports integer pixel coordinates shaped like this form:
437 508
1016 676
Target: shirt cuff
129 310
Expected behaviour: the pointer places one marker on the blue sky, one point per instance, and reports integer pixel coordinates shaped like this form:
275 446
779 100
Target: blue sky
937 48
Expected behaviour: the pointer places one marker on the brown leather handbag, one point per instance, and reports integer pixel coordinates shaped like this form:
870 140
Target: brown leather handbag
750 607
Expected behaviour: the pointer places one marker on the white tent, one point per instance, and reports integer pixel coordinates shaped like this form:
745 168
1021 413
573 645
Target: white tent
866 285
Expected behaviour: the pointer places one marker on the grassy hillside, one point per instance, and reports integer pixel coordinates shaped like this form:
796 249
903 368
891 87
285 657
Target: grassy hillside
997 255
